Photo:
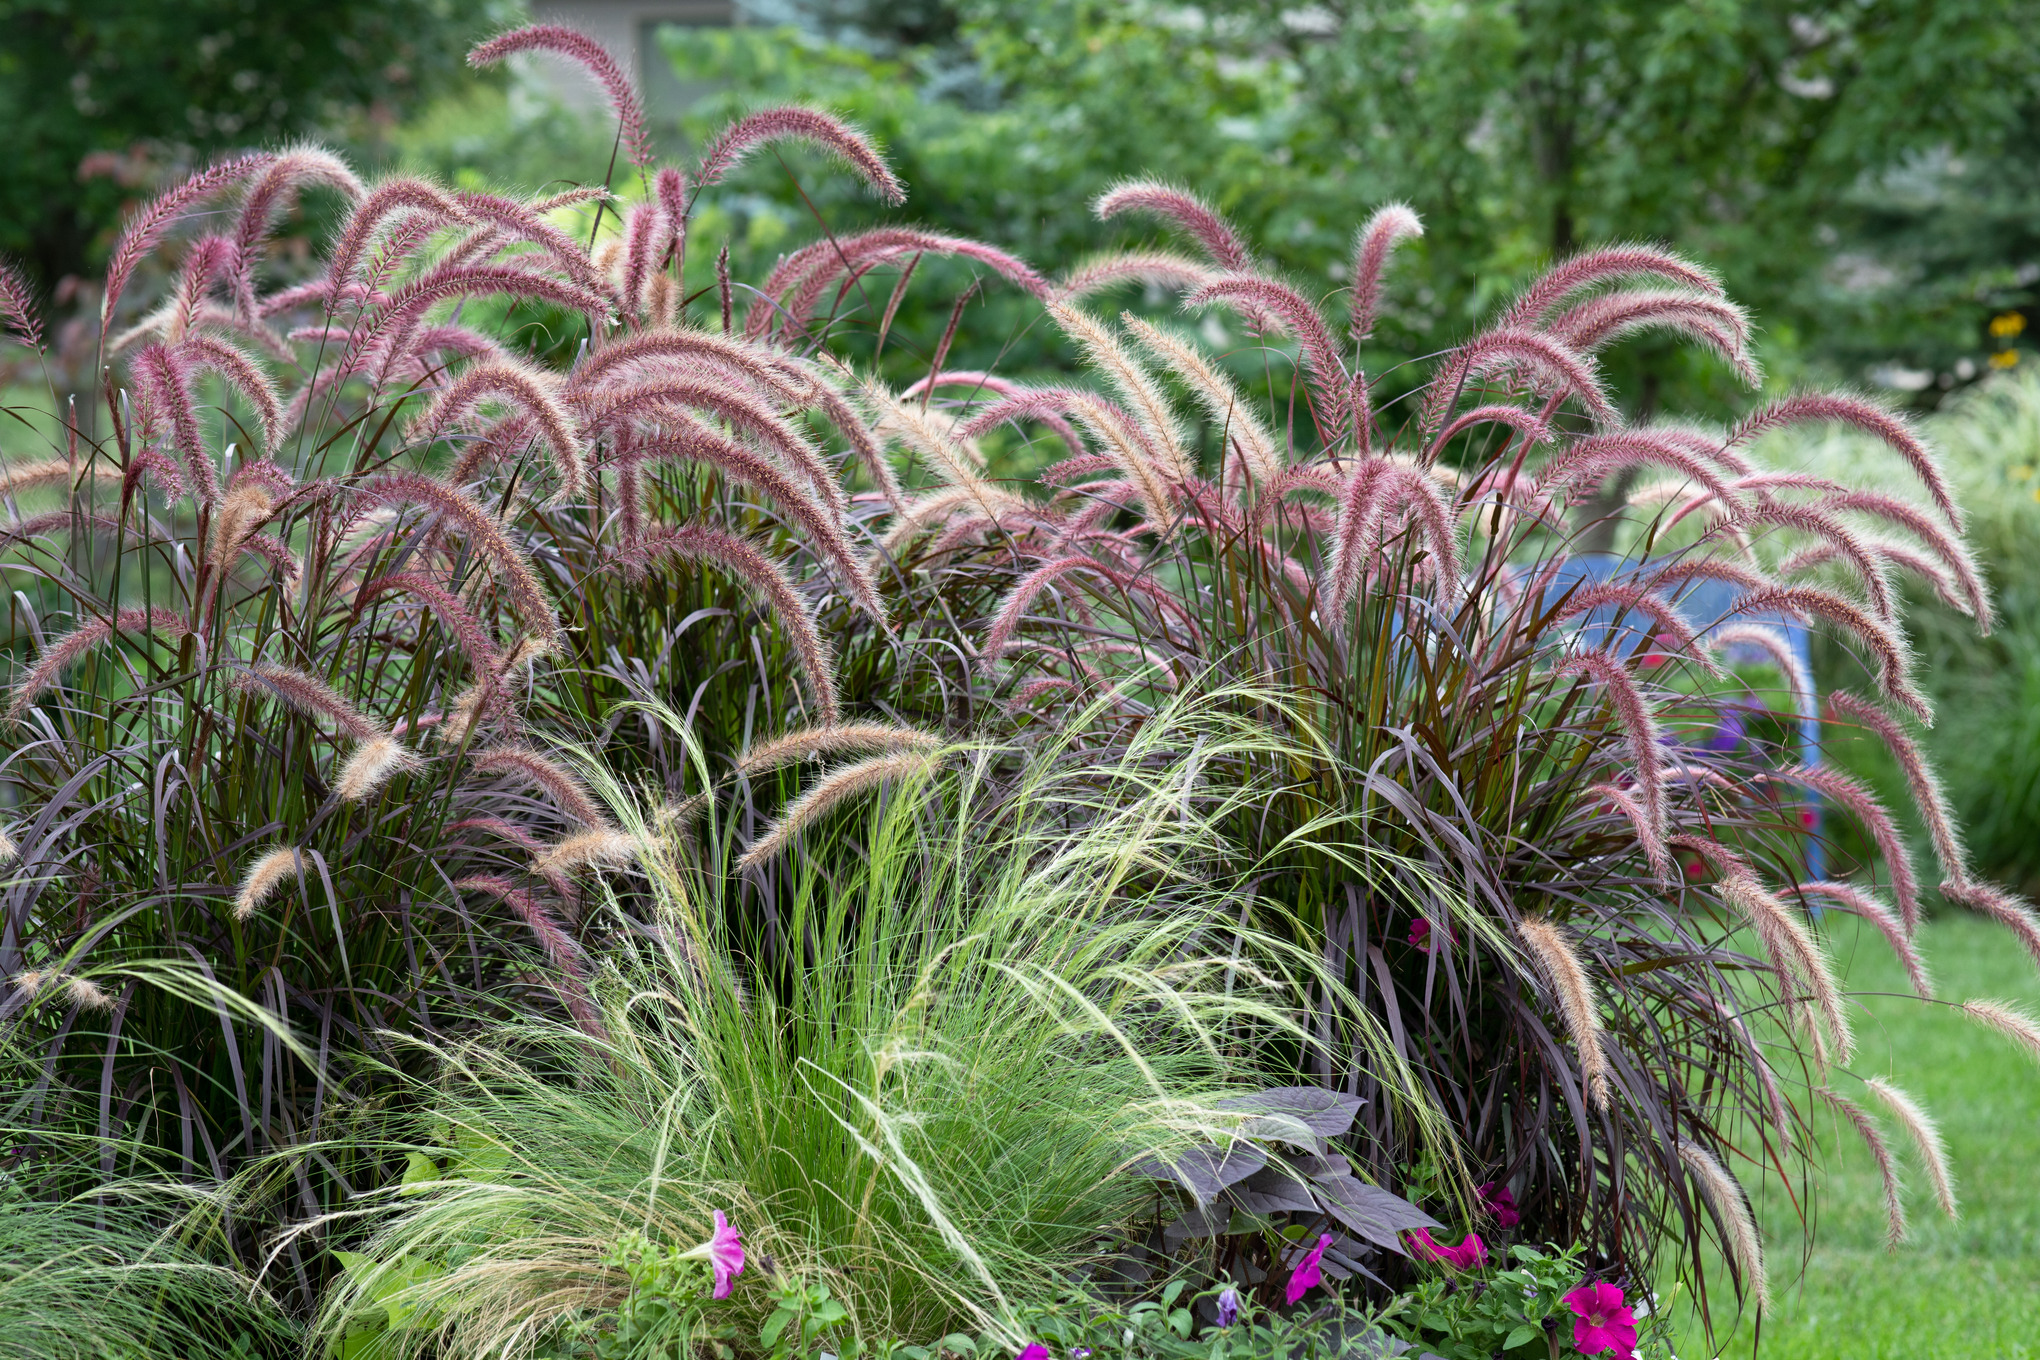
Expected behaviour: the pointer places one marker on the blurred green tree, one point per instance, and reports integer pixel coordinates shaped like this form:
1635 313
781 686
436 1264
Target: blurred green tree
94 93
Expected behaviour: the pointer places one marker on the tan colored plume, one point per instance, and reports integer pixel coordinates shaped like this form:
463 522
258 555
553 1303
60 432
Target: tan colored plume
1567 977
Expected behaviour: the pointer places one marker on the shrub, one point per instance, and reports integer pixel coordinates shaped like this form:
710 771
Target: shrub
1622 984
923 1085
299 601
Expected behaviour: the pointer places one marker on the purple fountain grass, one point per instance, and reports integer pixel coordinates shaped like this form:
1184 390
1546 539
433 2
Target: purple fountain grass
1159 268
517 221
146 230
1853 797
242 373
1187 211
813 127
17 306
1566 976
526 389
1920 778
1871 419
569 795
592 57
840 786
1561 372
164 378
451 611
560 949
59 655
765 578
1593 267
514 574
1390 226
375 209
1633 714
1329 381
310 696
1860 903
1895 1226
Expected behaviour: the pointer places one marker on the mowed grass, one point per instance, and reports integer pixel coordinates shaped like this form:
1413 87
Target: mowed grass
1970 1288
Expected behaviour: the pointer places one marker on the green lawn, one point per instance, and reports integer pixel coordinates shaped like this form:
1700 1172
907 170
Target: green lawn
1967 1289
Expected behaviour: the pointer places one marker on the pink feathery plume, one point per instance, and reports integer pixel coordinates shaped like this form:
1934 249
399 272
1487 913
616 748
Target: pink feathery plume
453 614
149 226
671 400
457 342
1013 609
1893 661
1666 621
818 129
1857 902
530 391
859 436
1853 797
241 373
1638 723
272 193
519 222
1648 835
309 696
17 306
1527 423
1598 266
567 792
163 377
649 351
1388 228
415 196
210 259
1866 416
1004 388
766 579
594 58
560 949
813 270
641 229
1686 570
669 187
68 648
1943 545
411 302
1328 376
1717 323
2007 909
1807 520
1158 268
1189 212
514 574
1588 460
1927 793
703 445
1775 645
1412 489
1562 369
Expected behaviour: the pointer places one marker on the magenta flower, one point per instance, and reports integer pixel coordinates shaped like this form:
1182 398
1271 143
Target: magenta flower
1471 1252
1601 1322
1420 934
1035 1351
1228 1306
724 1252
1307 1276
1501 1204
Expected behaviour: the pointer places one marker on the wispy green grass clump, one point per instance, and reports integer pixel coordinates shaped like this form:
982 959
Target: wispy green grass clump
919 1080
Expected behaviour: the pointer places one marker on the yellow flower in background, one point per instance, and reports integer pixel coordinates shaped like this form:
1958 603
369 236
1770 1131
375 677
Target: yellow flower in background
2022 472
2005 325
2004 358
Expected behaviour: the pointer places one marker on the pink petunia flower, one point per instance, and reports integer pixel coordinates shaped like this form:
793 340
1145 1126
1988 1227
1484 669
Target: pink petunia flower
724 1252
1471 1252
1500 1203
1035 1351
1307 1276
1601 1323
